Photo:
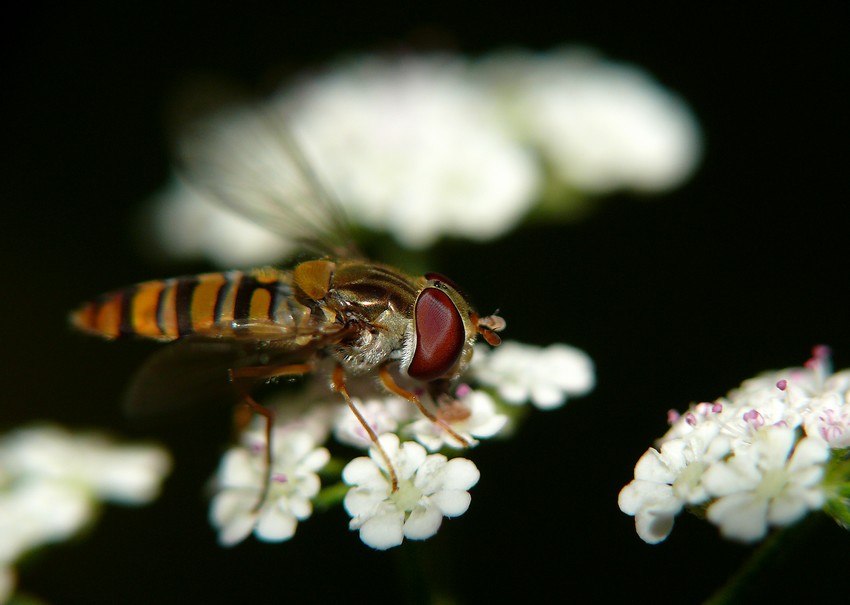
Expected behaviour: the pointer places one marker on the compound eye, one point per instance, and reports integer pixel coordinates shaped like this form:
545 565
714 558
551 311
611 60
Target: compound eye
440 335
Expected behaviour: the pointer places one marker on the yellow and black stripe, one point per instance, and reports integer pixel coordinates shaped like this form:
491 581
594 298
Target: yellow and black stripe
199 304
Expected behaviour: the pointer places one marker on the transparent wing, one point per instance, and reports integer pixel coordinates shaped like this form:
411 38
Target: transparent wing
194 371
187 375
248 160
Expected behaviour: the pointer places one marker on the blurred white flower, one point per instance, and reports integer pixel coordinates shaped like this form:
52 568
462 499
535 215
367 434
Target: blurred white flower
429 488
761 485
188 225
236 510
89 462
413 147
52 483
422 147
602 125
410 147
545 376
383 415
311 413
473 416
7 582
38 512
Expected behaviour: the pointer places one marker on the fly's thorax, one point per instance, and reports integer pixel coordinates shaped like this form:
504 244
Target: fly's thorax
373 344
376 302
373 288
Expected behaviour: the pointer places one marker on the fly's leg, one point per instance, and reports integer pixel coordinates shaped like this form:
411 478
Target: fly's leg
237 374
393 387
338 382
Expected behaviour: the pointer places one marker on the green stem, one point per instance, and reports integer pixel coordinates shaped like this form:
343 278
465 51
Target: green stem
763 561
427 570
330 496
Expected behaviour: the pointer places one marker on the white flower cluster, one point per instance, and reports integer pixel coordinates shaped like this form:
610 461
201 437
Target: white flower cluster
430 485
753 459
52 482
422 147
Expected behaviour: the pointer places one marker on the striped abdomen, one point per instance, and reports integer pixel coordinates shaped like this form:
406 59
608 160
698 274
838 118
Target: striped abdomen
199 304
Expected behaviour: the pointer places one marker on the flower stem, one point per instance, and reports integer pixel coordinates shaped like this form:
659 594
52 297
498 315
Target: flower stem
426 570
330 496
742 587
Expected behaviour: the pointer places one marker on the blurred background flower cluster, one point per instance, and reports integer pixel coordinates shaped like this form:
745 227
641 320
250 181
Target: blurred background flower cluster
664 193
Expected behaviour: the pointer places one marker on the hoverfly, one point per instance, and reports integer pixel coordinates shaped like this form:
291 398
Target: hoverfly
362 317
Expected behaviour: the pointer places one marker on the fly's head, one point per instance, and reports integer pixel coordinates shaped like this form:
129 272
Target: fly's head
443 331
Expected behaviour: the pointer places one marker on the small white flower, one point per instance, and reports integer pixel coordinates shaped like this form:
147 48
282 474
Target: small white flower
839 383
706 412
546 376
236 510
308 412
430 487
742 423
766 484
473 416
795 386
383 416
830 421
602 125
810 395
667 480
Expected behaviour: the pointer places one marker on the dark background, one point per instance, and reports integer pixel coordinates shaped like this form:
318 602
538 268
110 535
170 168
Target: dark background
677 298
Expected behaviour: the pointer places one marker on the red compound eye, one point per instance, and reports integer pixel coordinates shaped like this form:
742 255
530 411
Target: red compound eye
439 335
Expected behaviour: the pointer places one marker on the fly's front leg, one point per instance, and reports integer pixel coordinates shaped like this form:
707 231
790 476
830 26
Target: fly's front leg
393 387
448 407
338 382
237 374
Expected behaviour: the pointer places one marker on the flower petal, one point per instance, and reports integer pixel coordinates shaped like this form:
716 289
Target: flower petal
740 517
808 452
423 522
359 501
452 502
648 495
275 525
461 474
383 531
364 471
786 509
652 526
